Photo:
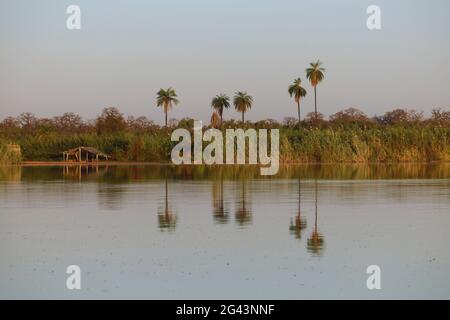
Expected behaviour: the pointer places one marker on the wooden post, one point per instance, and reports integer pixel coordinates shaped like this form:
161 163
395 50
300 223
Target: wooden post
79 154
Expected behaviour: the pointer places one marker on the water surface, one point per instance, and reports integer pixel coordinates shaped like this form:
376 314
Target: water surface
165 232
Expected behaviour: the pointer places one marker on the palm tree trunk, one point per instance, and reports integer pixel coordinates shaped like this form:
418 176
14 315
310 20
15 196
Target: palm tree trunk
315 101
298 105
242 116
166 118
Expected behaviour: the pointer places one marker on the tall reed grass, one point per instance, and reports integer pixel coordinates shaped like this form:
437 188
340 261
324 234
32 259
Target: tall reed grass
305 145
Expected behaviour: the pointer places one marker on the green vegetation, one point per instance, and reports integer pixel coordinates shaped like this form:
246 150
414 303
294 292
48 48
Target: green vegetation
7 155
348 136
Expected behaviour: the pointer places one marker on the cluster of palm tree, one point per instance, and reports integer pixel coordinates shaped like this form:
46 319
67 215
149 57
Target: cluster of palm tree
315 74
242 101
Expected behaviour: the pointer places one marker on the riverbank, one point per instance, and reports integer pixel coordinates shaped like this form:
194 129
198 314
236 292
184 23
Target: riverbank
137 163
324 142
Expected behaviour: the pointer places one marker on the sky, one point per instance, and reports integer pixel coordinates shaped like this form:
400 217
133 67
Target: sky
127 50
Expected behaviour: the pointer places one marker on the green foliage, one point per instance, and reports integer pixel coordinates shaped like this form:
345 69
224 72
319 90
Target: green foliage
307 145
8 156
349 136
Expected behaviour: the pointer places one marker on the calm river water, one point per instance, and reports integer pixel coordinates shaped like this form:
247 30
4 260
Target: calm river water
163 232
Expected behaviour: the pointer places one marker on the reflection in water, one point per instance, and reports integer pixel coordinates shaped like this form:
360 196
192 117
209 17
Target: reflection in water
110 197
167 220
316 241
47 219
84 172
127 174
243 215
298 223
220 209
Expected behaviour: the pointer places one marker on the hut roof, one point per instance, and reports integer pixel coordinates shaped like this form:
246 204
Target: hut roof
86 149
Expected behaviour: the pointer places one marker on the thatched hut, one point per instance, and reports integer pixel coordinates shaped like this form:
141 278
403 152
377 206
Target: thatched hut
87 154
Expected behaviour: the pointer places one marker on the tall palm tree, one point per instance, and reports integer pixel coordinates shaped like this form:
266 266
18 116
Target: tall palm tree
220 102
166 99
242 102
298 92
315 74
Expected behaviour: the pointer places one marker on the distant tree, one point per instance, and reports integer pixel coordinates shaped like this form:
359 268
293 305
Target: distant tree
440 116
141 124
266 124
110 121
186 123
68 122
28 121
400 116
242 102
315 119
166 99
312 116
10 123
297 91
350 115
316 74
220 102
289 122
173 123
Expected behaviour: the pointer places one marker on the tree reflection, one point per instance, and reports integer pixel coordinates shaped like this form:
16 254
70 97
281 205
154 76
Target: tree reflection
167 220
243 215
298 223
220 211
315 244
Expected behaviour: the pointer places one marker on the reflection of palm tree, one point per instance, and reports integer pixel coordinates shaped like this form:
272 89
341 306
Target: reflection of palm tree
220 212
316 241
166 218
243 214
298 223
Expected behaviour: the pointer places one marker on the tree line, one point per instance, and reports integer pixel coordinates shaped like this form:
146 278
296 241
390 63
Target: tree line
111 120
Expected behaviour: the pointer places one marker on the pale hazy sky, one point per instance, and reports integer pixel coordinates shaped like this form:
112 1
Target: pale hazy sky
127 50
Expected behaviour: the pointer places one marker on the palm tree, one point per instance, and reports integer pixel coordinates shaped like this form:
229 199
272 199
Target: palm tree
242 102
315 74
166 99
220 102
298 92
